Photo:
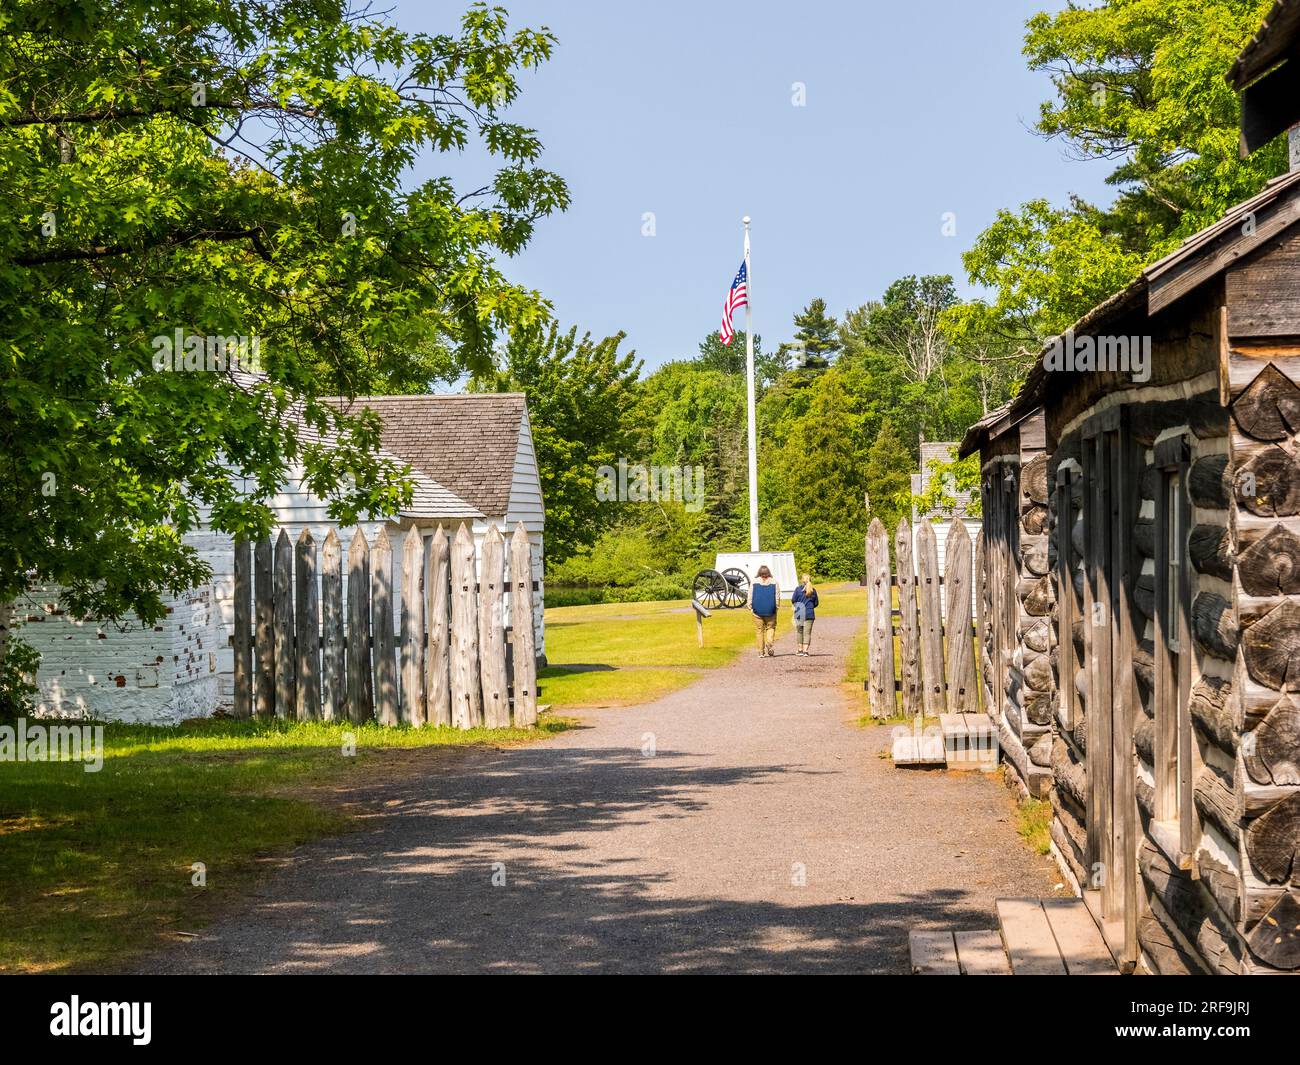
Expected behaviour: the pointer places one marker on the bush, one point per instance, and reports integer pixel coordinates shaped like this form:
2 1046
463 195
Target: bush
829 552
17 669
649 591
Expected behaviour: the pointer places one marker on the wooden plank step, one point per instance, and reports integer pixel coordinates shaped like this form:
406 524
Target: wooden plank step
1078 938
1028 938
981 954
953 725
923 750
933 953
970 741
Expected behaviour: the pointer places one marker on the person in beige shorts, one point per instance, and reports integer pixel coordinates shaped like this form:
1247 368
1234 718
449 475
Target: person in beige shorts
764 598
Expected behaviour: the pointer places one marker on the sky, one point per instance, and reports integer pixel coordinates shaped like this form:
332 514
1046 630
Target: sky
686 112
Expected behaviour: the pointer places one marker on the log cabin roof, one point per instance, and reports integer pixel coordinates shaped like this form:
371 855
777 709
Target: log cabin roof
1276 39
1199 259
978 433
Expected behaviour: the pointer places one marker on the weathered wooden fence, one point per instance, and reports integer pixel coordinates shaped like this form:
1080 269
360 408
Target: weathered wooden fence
930 678
302 654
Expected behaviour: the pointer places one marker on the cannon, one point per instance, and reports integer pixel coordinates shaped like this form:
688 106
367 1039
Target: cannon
728 589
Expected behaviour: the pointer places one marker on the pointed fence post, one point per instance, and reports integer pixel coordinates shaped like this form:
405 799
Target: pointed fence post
521 623
307 624
243 635
880 652
437 655
285 666
381 625
413 627
466 696
333 662
961 647
909 628
360 686
264 633
492 631
927 587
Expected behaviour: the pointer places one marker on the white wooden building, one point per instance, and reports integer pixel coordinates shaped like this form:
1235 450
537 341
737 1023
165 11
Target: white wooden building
471 460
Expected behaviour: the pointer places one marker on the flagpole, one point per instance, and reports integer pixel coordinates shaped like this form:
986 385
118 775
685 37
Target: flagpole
749 398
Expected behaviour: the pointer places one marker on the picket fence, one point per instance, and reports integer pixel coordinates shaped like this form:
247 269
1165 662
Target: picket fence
927 680
301 654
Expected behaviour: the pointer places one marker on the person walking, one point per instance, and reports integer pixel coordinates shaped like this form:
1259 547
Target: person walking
804 606
764 597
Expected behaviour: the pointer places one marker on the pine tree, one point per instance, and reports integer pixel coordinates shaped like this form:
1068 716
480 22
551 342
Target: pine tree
817 336
888 475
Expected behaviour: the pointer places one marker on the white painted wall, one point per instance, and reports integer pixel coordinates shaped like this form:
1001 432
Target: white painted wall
157 674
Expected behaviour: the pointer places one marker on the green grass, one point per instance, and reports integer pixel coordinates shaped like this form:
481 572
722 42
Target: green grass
1034 824
95 866
620 654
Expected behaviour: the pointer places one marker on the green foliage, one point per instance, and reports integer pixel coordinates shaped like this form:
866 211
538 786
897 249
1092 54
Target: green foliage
580 395
1139 82
155 223
234 170
18 665
888 475
816 338
946 480
730 358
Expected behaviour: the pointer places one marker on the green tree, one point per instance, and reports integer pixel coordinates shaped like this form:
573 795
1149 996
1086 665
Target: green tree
1140 82
580 394
730 358
234 169
816 337
887 475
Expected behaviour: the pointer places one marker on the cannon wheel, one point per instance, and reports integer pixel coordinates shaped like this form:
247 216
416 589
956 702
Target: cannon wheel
737 594
709 589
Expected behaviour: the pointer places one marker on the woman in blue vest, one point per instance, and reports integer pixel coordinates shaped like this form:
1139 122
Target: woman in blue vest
764 596
804 605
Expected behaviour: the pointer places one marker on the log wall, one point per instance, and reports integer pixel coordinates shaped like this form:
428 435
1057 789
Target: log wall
1016 595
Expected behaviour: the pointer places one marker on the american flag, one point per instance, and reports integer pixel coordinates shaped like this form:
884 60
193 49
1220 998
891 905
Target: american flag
738 297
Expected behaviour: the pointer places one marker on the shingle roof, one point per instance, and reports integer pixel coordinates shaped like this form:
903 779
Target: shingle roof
1275 39
429 498
465 442
1274 209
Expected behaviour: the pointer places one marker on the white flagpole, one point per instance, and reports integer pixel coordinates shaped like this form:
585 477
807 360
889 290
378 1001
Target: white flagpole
749 385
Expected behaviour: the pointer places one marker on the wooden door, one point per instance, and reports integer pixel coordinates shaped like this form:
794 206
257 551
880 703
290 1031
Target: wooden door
1110 511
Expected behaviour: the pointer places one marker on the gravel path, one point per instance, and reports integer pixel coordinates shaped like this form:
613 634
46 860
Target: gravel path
765 833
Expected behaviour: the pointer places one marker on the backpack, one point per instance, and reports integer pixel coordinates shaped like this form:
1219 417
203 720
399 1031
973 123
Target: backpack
762 600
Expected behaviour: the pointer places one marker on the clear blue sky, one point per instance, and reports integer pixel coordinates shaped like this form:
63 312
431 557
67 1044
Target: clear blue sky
914 108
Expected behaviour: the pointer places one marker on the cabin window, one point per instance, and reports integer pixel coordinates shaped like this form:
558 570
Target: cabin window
1172 752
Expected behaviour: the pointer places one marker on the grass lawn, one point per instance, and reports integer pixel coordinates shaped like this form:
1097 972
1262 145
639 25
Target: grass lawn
619 654
94 866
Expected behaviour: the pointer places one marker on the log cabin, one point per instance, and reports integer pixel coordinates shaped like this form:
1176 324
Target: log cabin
1011 563
1161 543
